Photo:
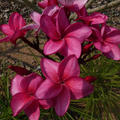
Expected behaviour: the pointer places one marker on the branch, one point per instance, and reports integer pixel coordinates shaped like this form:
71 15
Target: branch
35 47
103 7
89 3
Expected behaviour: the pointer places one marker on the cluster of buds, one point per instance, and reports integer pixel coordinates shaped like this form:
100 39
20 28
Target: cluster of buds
62 82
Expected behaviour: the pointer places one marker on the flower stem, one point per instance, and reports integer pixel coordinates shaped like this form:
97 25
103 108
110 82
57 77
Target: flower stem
35 47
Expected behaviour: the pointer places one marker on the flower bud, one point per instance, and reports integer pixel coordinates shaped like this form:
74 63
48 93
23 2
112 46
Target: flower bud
90 79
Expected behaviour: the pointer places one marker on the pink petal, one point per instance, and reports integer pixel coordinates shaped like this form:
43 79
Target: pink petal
78 31
16 21
20 101
31 82
113 37
46 104
6 29
33 111
51 11
30 27
6 39
103 47
19 70
74 4
95 18
69 67
52 47
114 53
97 35
16 85
62 21
107 29
98 18
34 84
48 90
62 101
52 2
103 28
73 46
36 17
48 26
16 35
43 4
50 69
79 87
82 12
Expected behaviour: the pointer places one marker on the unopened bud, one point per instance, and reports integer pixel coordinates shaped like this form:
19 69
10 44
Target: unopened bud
87 47
19 70
96 56
90 79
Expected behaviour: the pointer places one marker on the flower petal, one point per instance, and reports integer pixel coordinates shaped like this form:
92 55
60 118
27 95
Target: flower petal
62 101
73 46
79 87
31 82
98 18
76 5
46 104
30 27
20 101
62 21
16 21
52 47
51 10
113 37
6 39
78 31
43 4
114 53
33 111
6 29
103 47
48 90
69 67
48 26
52 2
15 85
95 18
50 69
16 35
36 17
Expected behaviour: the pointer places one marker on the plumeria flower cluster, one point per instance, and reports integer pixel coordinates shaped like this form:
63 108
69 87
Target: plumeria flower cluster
66 38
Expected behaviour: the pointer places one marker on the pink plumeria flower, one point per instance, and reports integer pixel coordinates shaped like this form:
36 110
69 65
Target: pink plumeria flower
73 5
62 83
23 96
64 38
108 41
45 3
13 30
